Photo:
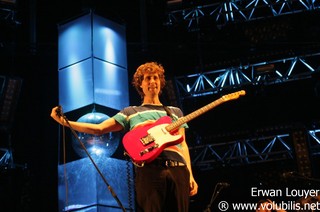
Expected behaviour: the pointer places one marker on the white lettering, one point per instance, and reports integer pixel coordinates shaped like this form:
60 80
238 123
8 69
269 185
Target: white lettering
302 193
255 192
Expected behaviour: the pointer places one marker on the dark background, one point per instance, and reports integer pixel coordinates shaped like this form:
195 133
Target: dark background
28 49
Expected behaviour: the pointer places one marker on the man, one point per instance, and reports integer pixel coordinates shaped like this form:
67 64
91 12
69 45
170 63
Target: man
167 182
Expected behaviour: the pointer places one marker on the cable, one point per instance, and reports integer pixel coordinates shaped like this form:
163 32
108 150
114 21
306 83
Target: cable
64 163
129 180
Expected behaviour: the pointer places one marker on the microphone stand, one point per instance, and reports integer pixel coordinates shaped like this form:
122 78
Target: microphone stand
215 194
59 112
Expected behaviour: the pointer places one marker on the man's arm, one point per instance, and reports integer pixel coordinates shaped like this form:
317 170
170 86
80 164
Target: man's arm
109 125
186 154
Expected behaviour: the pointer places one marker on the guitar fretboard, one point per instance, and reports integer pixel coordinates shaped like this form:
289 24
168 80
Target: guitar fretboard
175 125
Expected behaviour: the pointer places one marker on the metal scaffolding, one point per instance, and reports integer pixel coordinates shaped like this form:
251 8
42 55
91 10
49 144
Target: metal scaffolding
224 12
250 150
263 73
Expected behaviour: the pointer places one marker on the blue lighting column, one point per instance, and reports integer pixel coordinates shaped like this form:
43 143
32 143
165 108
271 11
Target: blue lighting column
92 68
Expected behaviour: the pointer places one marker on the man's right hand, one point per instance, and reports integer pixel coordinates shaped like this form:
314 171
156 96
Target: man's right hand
56 115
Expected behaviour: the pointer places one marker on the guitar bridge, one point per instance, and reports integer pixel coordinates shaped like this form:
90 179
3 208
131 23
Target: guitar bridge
148 149
147 139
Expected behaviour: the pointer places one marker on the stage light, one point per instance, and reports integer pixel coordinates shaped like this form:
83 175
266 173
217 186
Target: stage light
264 69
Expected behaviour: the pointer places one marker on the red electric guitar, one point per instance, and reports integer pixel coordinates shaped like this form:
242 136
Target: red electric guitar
144 144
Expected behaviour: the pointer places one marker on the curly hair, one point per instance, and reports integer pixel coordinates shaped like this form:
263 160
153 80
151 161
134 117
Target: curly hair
148 68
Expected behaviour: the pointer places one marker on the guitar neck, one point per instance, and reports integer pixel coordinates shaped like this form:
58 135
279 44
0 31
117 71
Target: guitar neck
182 120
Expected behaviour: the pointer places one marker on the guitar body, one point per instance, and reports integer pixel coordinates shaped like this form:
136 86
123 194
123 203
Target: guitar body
145 143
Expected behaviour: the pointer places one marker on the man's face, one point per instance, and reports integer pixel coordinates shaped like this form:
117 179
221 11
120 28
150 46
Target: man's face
150 84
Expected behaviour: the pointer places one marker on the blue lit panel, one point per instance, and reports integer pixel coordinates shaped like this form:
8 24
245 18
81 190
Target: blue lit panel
81 187
92 63
76 86
109 41
75 41
110 85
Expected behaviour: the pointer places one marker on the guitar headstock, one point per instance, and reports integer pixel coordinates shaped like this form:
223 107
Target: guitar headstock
234 95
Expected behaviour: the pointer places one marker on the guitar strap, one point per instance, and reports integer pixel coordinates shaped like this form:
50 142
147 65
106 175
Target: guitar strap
168 112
